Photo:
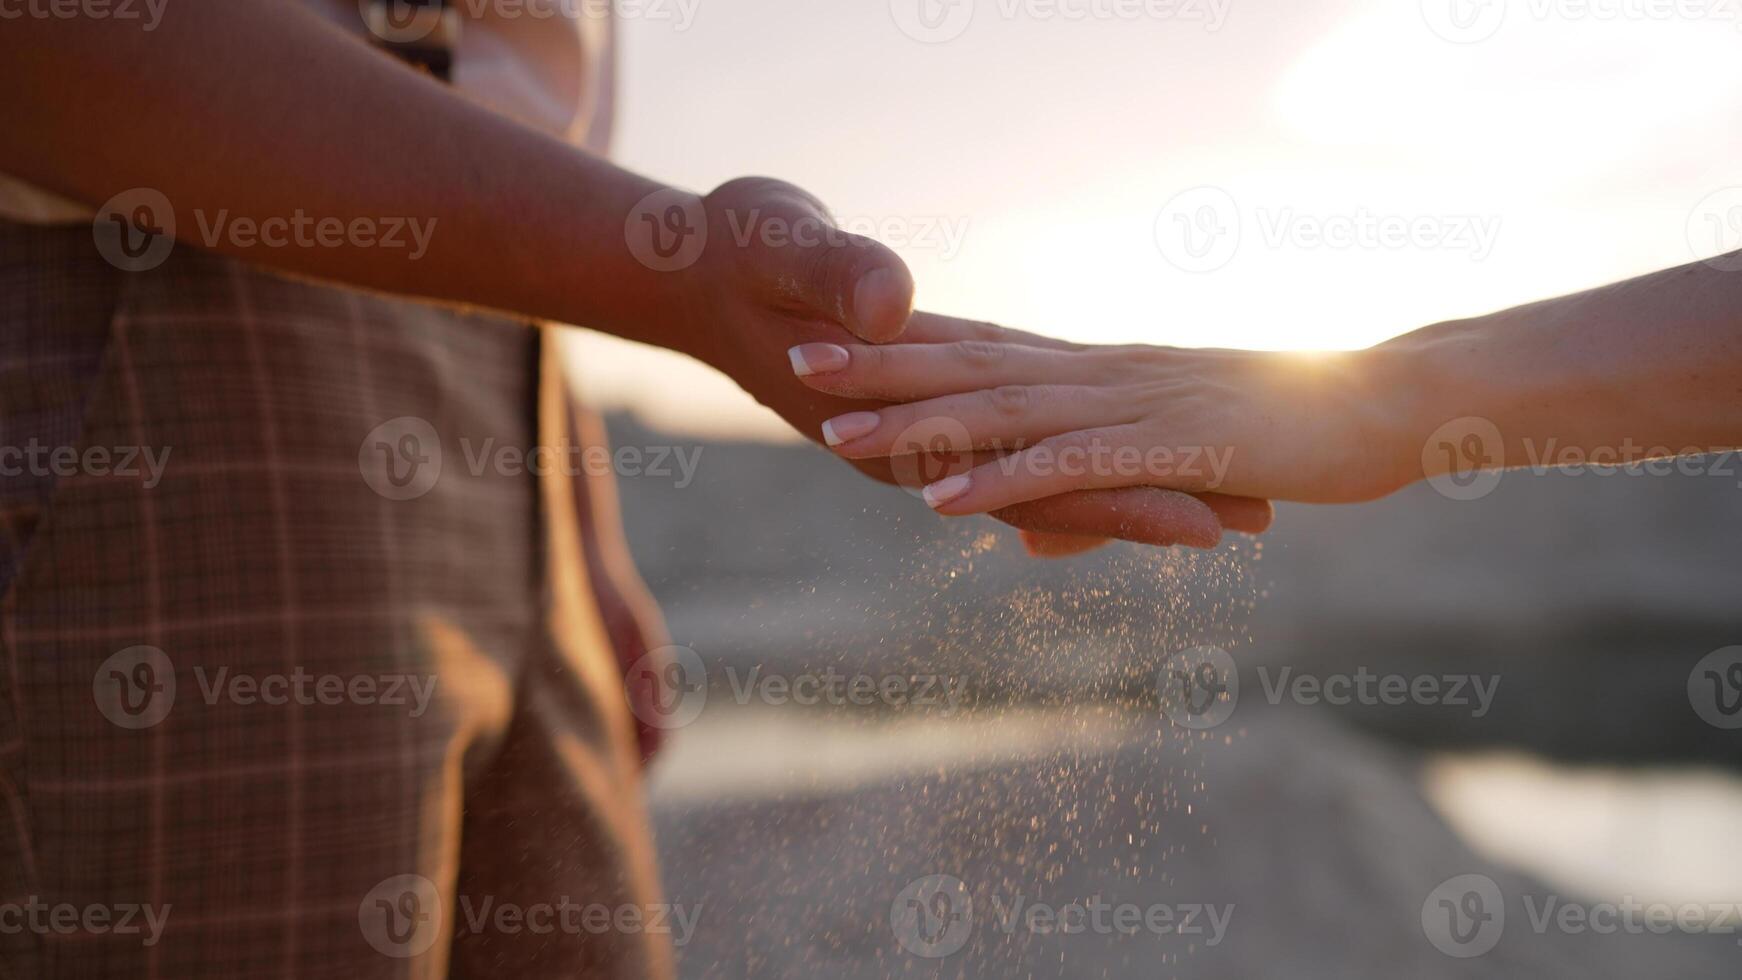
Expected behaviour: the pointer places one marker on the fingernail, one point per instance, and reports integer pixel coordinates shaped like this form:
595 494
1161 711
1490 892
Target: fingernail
946 490
809 359
845 428
873 297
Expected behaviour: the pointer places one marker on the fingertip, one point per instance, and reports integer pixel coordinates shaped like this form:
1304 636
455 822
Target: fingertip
1040 544
945 496
1142 515
1247 515
882 302
809 360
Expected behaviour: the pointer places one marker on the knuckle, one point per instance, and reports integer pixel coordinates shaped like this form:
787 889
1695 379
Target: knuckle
865 362
1148 361
986 330
820 269
979 353
1010 401
831 266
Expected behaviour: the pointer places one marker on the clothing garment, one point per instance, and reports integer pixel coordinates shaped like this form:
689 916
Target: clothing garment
547 63
286 669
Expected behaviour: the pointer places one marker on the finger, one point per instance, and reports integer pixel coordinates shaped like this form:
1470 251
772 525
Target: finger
1088 459
1145 515
1040 544
908 372
1141 514
792 249
1002 418
1248 515
935 328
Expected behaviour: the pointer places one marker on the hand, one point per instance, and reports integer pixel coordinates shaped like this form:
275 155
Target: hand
1063 419
775 274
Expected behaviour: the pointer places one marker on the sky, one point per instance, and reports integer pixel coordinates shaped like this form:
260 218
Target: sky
1291 174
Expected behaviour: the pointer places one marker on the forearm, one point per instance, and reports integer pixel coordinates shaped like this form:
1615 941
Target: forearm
1647 367
256 111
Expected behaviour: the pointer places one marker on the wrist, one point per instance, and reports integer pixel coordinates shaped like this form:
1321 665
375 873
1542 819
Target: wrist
620 254
1448 403
1409 401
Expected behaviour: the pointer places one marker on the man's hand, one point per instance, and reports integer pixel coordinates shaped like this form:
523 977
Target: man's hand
776 273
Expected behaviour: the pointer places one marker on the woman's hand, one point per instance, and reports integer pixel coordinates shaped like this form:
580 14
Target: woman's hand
1060 419
775 273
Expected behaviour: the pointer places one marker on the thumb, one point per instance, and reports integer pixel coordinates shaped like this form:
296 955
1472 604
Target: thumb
795 251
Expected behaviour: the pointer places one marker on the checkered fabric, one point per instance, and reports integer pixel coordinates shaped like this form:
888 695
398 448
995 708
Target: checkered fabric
287 704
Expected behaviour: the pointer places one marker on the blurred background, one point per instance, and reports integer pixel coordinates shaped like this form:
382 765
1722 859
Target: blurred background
1309 175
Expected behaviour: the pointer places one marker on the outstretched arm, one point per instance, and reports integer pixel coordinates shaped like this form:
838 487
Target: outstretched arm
1640 369
264 112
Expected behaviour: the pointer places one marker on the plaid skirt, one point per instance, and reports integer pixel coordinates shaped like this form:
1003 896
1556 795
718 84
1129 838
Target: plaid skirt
298 679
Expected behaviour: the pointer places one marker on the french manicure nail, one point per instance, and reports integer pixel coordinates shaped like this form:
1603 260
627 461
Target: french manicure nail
845 428
809 359
946 490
